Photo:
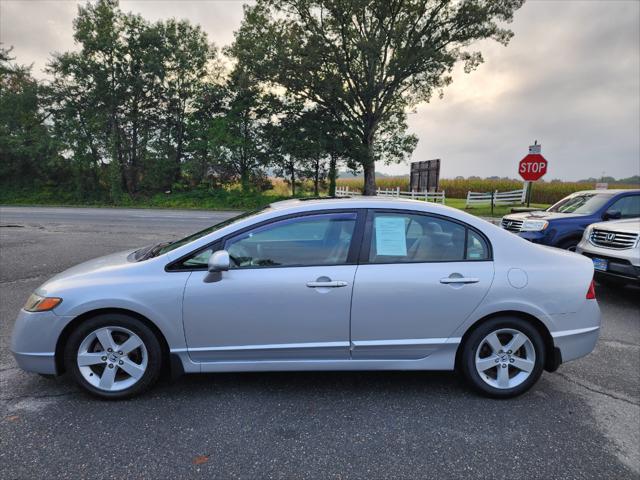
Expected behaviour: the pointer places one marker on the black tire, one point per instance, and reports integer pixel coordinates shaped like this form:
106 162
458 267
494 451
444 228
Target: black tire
570 244
151 343
472 343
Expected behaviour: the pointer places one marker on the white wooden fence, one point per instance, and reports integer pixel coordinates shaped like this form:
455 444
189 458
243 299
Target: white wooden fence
437 197
497 198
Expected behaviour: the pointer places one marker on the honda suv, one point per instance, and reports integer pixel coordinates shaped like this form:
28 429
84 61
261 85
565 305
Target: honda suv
562 225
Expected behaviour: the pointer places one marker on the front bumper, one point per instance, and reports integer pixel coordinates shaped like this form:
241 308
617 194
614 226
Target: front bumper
623 264
540 237
34 338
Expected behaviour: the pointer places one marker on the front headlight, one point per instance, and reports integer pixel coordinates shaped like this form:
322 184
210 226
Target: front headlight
36 303
534 225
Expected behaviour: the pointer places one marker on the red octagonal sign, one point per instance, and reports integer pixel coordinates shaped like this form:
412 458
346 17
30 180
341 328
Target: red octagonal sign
532 167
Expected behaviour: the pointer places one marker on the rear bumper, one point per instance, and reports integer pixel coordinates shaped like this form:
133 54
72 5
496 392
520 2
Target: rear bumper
577 343
578 332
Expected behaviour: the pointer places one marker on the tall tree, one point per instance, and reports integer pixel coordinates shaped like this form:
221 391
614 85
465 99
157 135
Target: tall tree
238 134
185 59
366 61
123 99
26 145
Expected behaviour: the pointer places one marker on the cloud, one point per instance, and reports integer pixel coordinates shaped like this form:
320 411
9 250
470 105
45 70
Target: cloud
570 78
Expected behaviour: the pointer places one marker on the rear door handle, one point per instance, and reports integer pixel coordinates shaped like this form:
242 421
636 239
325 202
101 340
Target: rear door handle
330 284
449 280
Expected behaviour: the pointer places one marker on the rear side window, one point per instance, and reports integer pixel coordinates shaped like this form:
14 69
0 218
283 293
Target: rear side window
409 238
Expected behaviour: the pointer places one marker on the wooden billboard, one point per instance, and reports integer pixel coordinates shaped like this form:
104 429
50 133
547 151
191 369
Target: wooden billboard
425 176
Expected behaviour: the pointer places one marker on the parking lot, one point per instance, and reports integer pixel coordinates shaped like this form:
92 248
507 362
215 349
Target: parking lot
582 421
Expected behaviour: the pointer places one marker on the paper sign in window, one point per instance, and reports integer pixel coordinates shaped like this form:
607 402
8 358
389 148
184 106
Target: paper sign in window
391 238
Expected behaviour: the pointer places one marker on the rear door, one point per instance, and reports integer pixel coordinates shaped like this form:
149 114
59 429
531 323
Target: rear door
419 278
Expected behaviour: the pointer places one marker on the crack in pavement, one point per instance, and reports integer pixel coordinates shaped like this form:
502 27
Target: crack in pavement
19 280
622 398
22 397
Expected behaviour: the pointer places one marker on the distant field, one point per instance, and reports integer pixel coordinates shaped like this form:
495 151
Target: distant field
543 192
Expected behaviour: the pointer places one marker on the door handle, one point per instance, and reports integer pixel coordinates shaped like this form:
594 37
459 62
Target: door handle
329 284
449 280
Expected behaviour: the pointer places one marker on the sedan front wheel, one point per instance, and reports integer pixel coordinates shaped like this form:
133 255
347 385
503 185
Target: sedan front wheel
113 356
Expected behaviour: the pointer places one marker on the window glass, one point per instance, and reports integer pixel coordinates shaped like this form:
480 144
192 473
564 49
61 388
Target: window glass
629 207
581 204
401 237
477 248
310 240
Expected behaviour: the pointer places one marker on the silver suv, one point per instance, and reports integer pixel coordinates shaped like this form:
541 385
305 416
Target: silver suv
614 248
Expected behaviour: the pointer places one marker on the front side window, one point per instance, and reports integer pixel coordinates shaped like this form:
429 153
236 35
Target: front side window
629 207
322 239
406 238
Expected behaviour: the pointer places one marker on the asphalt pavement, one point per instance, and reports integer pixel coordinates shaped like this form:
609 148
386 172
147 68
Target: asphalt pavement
581 422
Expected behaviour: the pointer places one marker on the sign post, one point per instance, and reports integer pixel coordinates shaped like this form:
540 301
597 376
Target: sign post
532 168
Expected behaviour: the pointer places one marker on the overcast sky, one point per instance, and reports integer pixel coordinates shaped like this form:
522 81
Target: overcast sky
570 78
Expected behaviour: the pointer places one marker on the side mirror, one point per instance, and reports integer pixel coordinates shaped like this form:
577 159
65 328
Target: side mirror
219 262
612 215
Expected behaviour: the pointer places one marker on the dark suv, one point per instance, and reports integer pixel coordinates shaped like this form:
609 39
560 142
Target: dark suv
562 224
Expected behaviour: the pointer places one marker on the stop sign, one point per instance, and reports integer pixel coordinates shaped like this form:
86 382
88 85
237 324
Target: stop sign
532 167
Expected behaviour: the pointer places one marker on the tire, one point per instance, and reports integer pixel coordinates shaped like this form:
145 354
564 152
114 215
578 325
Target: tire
570 244
132 365
480 350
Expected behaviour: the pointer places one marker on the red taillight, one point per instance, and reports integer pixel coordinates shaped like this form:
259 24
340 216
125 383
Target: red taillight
591 293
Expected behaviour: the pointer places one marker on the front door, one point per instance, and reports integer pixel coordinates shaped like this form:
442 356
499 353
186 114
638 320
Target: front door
422 277
287 295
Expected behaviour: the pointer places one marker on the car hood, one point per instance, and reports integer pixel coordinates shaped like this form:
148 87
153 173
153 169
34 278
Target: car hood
101 266
628 225
541 215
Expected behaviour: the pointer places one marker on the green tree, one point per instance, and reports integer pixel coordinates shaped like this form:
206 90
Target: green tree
121 102
27 149
366 61
184 65
237 137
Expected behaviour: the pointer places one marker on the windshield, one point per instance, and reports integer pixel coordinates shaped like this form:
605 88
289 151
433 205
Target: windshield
581 204
163 248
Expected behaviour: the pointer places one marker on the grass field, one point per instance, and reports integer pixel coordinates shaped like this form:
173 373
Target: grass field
198 199
543 192
485 210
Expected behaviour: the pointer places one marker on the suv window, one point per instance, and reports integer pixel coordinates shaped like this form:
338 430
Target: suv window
405 237
629 207
322 239
581 203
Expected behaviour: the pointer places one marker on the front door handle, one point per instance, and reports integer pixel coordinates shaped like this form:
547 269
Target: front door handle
329 284
449 280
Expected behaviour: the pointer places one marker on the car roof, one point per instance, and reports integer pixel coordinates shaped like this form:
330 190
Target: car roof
612 191
342 202
382 202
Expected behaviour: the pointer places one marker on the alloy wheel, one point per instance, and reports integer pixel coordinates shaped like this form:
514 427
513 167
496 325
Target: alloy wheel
112 358
505 358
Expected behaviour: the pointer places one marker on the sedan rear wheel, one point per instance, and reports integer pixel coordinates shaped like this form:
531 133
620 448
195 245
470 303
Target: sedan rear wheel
113 356
504 357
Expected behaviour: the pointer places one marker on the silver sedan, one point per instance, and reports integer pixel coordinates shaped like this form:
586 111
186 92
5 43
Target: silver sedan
349 284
